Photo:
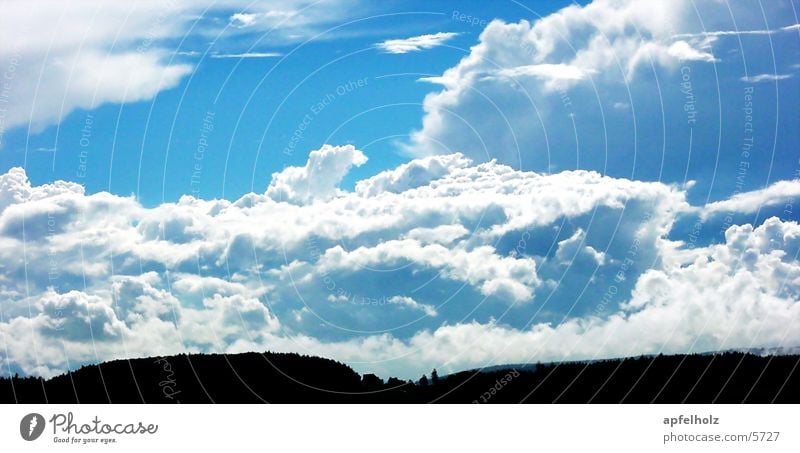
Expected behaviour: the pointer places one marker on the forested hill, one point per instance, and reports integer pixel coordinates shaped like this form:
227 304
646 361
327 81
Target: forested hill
291 378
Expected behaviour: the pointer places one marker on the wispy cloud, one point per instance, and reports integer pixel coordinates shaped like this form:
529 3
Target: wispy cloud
247 55
738 32
415 43
246 20
765 78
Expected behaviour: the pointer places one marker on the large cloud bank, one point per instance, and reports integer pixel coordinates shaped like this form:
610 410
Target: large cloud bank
440 262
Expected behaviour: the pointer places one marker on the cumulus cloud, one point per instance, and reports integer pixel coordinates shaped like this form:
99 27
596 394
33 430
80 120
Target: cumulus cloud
571 89
415 43
15 188
711 303
439 262
481 267
418 172
603 43
319 178
77 316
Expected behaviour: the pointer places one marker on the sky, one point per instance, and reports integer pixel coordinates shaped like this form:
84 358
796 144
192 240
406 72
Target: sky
397 185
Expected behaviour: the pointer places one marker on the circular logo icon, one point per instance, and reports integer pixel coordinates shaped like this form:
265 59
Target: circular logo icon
31 426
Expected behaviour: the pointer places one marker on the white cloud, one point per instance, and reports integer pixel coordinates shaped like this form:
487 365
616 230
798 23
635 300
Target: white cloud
571 249
502 277
668 56
87 54
405 301
515 95
243 20
95 79
60 57
415 43
78 317
477 249
15 188
776 194
319 178
714 303
443 234
555 76
683 51
247 55
765 78
294 15
720 33
416 173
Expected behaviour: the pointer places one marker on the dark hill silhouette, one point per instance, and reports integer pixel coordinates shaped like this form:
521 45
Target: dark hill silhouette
732 377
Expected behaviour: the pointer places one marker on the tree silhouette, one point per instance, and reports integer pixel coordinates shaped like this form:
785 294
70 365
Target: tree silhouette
371 381
395 382
730 377
423 381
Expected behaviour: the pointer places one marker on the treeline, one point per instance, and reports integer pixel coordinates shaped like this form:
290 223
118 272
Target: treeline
293 378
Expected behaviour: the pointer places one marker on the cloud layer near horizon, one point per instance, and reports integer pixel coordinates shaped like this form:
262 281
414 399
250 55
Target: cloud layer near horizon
440 262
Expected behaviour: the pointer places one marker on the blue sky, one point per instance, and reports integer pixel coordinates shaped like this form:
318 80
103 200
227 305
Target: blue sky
261 101
399 185
258 103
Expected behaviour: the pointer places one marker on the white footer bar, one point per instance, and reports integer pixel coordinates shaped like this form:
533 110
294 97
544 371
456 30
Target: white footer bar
371 428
